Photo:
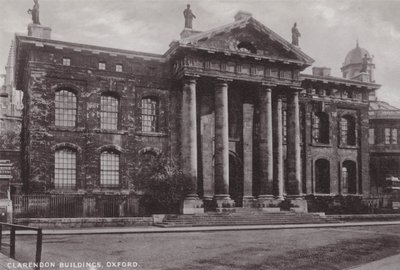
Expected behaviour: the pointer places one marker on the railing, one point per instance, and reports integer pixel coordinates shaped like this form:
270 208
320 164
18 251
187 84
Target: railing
12 240
74 206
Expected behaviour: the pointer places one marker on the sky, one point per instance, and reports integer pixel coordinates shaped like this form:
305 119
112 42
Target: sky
329 28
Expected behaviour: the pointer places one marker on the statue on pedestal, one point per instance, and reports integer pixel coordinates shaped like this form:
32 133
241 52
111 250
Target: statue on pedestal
35 12
364 65
295 35
188 14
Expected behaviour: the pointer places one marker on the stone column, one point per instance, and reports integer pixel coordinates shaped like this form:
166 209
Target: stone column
248 113
191 204
278 147
265 148
294 187
221 165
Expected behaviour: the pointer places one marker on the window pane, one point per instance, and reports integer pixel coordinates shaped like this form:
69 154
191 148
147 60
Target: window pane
65 169
394 135
387 135
65 109
109 169
149 115
371 136
109 112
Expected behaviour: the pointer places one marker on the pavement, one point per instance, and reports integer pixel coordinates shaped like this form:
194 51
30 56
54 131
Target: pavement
389 263
153 229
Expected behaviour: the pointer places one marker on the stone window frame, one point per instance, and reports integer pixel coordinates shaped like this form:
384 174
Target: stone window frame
391 136
320 128
150 116
119 67
348 130
65 174
326 189
109 114
344 182
102 65
67 114
371 136
66 61
115 180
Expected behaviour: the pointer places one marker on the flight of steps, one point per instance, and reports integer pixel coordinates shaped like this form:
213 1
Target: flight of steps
244 217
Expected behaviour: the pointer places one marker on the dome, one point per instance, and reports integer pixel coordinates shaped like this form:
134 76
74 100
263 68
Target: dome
355 56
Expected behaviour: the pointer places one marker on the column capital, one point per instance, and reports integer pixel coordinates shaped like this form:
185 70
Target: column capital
219 81
190 78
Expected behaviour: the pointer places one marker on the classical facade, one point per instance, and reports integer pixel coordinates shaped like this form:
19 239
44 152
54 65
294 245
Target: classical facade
230 105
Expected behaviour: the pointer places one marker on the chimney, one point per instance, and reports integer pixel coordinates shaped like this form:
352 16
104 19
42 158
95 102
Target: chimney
242 15
321 71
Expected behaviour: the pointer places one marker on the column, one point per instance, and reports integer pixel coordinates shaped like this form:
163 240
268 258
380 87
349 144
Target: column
248 115
191 204
278 147
266 154
293 187
221 165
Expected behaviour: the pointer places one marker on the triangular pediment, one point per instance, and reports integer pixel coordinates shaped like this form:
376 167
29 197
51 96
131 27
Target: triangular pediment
247 36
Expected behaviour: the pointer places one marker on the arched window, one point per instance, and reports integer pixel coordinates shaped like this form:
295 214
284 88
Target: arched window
149 114
322 176
109 168
109 112
347 130
65 169
65 108
349 177
320 127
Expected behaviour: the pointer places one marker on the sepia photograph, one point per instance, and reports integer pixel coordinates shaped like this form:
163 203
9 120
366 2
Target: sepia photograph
200 134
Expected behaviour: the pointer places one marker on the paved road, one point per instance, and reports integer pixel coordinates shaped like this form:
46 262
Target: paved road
203 250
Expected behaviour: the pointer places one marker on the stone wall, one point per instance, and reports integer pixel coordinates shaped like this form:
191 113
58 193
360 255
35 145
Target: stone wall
45 75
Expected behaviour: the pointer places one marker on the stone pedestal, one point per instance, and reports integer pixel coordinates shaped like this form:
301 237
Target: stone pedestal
192 205
39 31
268 202
249 202
298 204
224 204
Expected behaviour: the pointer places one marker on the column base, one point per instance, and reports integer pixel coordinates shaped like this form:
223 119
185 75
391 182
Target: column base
208 203
192 205
223 203
249 202
297 204
268 203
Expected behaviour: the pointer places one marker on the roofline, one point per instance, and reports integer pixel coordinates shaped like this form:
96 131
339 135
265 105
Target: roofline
94 48
338 80
307 60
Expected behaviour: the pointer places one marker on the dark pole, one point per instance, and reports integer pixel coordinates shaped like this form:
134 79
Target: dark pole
12 243
39 248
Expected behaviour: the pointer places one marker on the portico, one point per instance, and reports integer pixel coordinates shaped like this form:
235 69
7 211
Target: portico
232 99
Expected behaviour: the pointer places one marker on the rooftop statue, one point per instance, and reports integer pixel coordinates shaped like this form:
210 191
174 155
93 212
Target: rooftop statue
188 14
364 65
295 35
35 12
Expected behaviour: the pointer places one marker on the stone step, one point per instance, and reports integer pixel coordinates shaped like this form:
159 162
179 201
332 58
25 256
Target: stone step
252 217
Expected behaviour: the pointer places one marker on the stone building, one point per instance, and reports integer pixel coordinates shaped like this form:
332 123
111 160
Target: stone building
230 105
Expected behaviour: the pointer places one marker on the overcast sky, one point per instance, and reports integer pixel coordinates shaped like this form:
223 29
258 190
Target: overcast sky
329 28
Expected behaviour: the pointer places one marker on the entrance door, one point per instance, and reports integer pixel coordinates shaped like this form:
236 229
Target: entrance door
235 180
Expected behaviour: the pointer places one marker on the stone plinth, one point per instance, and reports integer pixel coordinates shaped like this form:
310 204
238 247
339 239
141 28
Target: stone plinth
298 205
249 202
224 204
39 31
192 206
268 202
187 32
